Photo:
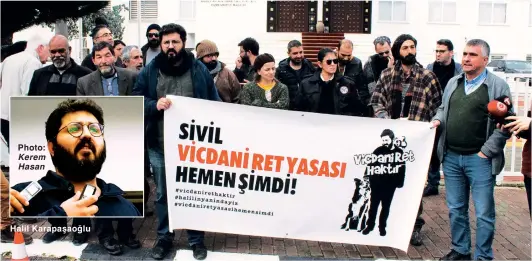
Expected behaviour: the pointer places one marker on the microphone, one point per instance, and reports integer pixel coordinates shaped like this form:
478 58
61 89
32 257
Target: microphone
499 109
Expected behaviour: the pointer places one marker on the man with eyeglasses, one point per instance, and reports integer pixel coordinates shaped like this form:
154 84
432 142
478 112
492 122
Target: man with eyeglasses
100 33
376 63
152 48
407 92
445 68
61 77
75 135
109 79
224 79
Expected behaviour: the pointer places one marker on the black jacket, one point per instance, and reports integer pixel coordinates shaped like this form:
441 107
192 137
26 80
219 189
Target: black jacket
66 84
288 76
354 71
345 95
56 190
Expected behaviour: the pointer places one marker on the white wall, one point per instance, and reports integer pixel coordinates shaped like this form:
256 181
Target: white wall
513 39
124 127
228 25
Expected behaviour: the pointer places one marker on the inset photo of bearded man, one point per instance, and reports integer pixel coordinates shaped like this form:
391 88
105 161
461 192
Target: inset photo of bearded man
76 157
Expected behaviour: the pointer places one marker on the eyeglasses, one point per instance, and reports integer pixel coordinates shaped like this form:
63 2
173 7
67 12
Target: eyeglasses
105 35
153 35
383 53
76 129
440 51
329 62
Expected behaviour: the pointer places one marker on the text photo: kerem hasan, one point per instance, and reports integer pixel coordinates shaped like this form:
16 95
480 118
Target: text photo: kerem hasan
77 156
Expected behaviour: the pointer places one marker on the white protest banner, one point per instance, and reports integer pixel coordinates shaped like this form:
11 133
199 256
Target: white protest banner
254 171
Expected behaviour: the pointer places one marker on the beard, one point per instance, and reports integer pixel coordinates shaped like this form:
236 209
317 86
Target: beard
60 62
211 65
108 71
296 61
245 60
74 169
343 62
410 59
153 43
174 56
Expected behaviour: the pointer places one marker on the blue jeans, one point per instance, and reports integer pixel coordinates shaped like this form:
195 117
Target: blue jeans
463 173
156 156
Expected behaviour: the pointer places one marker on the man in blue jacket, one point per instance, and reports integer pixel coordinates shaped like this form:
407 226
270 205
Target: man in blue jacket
173 72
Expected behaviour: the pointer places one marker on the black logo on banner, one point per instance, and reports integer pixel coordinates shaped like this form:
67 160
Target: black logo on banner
385 172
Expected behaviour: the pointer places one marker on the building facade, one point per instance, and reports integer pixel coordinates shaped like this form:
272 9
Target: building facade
505 24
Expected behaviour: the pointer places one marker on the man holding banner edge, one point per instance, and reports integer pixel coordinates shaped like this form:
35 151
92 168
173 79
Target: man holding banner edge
410 92
173 72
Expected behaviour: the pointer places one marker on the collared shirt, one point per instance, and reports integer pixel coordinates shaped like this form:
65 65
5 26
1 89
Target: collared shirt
471 86
110 85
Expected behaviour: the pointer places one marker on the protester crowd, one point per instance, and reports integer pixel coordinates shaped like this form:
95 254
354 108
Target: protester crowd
391 84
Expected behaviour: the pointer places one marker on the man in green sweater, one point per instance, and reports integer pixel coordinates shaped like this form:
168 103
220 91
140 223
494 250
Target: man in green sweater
472 151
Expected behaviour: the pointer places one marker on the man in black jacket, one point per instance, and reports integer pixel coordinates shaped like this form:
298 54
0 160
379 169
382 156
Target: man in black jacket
293 69
376 63
61 77
351 67
152 48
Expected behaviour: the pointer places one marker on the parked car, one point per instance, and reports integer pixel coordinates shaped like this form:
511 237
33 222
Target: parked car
513 66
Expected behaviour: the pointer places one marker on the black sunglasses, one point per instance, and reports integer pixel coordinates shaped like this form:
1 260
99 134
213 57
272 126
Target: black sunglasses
383 53
153 35
329 62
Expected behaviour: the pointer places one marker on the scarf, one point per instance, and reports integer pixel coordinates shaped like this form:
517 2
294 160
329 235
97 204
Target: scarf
185 64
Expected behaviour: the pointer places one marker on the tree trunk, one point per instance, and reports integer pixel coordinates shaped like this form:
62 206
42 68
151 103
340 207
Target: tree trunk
61 27
8 40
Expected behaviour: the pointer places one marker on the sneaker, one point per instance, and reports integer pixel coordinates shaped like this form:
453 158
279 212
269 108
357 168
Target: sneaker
50 237
416 240
453 255
8 236
199 251
161 249
430 191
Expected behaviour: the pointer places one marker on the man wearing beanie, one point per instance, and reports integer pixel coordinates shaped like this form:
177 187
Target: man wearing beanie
224 79
174 71
152 48
408 92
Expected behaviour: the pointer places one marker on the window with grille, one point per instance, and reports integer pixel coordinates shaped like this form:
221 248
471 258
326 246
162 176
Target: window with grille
492 12
149 10
442 11
392 11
